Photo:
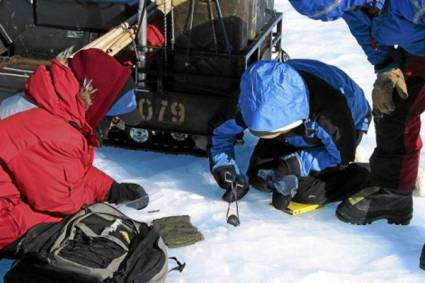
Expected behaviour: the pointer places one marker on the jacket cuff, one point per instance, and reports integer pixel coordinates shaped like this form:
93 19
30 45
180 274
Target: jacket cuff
223 159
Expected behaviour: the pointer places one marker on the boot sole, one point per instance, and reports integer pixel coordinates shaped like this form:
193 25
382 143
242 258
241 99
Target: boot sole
397 220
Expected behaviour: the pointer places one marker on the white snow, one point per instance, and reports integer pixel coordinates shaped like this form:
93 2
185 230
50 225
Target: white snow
271 246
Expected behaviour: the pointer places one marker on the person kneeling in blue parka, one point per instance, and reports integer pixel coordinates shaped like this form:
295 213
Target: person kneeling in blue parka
310 117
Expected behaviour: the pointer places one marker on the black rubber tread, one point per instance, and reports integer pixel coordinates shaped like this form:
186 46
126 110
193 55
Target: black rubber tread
391 219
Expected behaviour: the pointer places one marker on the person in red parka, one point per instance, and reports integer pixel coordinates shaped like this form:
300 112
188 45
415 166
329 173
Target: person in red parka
46 151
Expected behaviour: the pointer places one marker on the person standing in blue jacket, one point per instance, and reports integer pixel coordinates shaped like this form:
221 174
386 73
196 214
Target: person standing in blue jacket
309 117
392 34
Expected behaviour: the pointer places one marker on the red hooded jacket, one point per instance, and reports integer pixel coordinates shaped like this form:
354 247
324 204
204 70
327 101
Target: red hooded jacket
46 155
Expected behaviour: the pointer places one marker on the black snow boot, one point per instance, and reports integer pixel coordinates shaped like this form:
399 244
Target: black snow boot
422 260
375 203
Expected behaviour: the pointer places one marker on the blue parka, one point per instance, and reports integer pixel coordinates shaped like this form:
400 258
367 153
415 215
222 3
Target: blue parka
398 23
332 107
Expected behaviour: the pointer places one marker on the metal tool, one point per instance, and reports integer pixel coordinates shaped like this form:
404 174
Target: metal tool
232 219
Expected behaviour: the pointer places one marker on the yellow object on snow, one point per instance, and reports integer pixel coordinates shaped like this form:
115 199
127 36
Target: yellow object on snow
295 208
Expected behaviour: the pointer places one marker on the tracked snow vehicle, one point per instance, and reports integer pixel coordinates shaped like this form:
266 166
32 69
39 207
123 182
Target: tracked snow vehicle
182 84
33 32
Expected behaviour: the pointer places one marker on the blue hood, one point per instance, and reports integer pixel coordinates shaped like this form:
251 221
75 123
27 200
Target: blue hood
273 95
329 10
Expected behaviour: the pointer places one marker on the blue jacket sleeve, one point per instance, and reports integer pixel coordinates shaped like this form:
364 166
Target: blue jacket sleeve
222 144
360 24
316 158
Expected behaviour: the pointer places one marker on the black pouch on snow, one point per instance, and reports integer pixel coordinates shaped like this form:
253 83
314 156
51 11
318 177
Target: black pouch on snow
97 244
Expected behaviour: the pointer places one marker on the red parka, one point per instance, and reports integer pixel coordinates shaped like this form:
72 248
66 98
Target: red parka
46 155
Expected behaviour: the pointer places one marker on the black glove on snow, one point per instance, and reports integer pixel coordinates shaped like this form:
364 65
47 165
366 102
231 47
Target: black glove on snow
133 195
227 178
288 166
280 201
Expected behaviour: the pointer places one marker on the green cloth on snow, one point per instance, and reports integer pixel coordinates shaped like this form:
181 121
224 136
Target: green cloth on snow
177 231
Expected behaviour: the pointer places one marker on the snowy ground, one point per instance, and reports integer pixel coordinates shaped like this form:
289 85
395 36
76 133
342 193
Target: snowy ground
271 246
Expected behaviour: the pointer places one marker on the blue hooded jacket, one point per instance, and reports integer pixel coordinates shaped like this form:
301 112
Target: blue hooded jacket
275 95
399 22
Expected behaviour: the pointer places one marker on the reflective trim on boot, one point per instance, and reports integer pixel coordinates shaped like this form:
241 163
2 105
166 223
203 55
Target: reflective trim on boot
356 198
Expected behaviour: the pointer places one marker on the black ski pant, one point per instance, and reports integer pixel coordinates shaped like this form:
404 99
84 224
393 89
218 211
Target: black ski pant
395 160
331 185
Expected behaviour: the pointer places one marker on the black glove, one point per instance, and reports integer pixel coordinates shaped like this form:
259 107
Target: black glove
241 187
280 201
288 166
133 195
220 174
227 178
284 189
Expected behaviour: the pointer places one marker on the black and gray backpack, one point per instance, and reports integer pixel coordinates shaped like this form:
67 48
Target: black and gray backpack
97 244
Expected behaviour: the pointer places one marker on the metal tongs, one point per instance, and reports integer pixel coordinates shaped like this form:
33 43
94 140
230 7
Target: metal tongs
232 219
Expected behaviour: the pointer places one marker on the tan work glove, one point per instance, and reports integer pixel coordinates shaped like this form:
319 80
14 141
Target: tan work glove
383 88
